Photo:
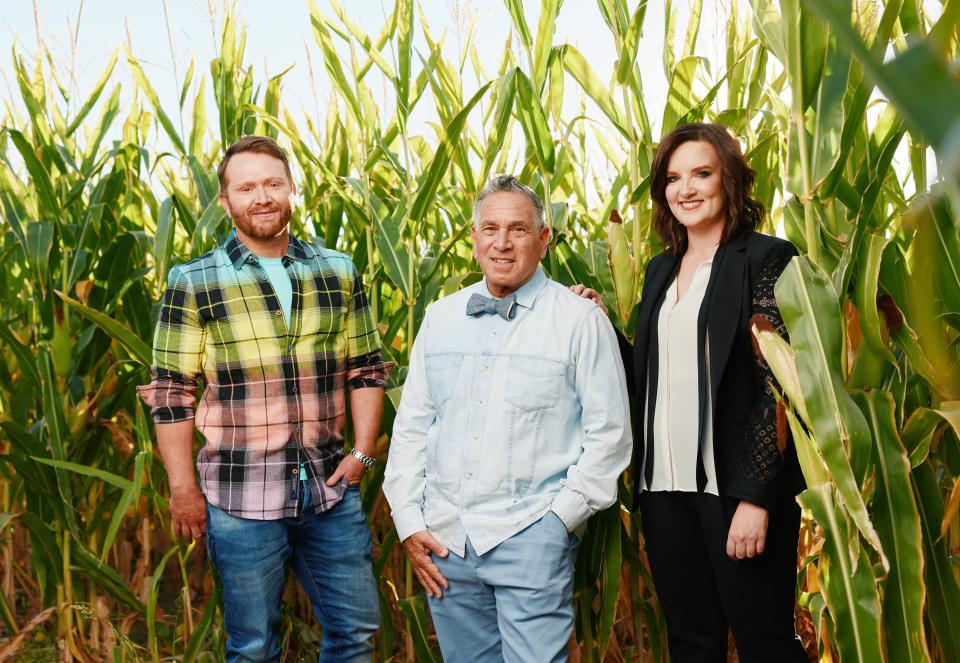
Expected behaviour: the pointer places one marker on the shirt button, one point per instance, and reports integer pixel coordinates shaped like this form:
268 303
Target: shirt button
263 277
293 471
473 439
298 429
479 402
290 347
483 368
278 313
493 333
467 475
293 390
466 509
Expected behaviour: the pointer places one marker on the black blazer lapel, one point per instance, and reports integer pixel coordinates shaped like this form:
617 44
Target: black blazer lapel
719 315
726 299
658 279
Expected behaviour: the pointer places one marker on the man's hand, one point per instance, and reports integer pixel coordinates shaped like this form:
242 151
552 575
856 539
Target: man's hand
418 548
188 513
589 293
748 531
349 467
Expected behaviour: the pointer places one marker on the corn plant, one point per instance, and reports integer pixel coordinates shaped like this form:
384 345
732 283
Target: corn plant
91 226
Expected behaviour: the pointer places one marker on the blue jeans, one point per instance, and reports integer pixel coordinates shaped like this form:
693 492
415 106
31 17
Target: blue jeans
513 604
331 554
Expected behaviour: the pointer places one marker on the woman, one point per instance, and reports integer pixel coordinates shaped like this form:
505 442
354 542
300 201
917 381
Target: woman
715 478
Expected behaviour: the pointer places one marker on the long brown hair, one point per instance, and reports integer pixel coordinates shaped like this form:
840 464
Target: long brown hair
743 212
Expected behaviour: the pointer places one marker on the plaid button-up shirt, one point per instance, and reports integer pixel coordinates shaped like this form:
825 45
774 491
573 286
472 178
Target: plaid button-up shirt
273 395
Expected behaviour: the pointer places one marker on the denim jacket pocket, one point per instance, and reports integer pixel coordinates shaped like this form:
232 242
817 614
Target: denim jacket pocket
534 382
532 389
442 373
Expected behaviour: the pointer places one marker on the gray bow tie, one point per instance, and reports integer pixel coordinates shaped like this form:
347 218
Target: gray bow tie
506 308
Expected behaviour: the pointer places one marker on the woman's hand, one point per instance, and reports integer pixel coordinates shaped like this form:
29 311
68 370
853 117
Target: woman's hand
748 531
589 293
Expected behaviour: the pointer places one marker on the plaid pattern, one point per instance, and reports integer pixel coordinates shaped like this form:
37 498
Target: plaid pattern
273 397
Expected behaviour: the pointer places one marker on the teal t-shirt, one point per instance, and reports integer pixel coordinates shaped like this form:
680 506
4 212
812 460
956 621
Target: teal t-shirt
280 281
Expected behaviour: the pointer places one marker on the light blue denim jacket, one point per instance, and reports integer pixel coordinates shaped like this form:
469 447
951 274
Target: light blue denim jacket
501 421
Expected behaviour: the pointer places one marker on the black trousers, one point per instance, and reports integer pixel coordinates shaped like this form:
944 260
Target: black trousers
703 592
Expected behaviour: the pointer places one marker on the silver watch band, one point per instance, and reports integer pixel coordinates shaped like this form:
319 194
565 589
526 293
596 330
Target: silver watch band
363 458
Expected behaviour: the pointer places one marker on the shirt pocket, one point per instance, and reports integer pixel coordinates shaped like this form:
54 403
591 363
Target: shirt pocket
533 383
443 370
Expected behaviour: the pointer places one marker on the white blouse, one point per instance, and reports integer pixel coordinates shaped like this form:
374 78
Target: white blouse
675 425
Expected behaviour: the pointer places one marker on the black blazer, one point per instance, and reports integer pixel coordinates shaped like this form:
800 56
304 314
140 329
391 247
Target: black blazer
747 452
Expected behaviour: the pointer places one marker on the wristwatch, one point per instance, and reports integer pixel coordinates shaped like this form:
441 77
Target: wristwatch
363 458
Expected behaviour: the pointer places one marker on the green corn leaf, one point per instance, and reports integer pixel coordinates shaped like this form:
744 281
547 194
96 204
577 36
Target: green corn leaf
865 294
430 180
140 77
25 358
583 73
850 591
77 468
57 435
631 44
506 91
917 434
418 627
137 348
533 119
331 59
811 311
163 241
898 526
943 592
932 114
680 93
611 568
403 14
515 7
152 644
94 96
549 9
47 204
39 245
201 630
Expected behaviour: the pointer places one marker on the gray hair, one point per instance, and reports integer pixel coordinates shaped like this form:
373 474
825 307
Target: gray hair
510 184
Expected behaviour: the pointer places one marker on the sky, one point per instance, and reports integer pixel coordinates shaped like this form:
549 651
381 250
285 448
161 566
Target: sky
165 35
82 35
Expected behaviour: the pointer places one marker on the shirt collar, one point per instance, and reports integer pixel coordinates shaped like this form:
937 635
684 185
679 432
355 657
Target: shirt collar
528 292
238 252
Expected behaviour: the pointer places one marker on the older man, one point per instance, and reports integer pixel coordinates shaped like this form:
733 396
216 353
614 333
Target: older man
280 331
512 430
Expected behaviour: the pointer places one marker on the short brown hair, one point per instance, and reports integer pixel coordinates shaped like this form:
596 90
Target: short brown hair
743 212
258 144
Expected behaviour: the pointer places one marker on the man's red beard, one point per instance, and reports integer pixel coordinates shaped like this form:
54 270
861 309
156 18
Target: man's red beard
258 230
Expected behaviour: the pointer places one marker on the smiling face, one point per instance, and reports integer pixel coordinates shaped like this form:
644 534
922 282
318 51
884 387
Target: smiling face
257 198
694 188
506 241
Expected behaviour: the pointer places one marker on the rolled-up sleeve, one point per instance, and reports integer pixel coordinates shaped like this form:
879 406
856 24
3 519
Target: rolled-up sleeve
405 476
365 365
591 483
177 353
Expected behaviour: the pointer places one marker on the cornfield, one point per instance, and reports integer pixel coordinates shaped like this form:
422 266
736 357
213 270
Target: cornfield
842 108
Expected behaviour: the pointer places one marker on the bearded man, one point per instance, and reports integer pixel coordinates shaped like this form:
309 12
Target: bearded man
280 332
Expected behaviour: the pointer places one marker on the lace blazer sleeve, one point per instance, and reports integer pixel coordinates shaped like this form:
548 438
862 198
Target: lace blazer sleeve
761 455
